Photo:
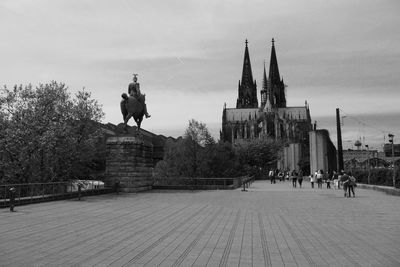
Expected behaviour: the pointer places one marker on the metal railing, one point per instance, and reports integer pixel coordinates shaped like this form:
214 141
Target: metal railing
39 192
246 182
199 183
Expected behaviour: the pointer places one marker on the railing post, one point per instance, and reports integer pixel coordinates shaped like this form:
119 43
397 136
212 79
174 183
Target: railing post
79 191
12 198
19 194
244 186
117 187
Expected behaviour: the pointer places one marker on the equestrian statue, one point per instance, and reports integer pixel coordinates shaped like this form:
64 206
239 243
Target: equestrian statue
133 104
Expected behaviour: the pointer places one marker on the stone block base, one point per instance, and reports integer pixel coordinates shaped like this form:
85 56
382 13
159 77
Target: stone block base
129 163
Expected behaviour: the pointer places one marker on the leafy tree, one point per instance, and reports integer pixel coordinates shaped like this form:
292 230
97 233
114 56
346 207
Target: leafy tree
182 158
219 160
45 134
258 155
198 133
198 138
177 161
198 155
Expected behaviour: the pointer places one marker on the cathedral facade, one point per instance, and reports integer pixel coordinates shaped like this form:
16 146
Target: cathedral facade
272 119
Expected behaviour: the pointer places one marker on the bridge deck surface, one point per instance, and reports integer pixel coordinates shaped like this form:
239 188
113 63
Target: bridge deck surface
270 225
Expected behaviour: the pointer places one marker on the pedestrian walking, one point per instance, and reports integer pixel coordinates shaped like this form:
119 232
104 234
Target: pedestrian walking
335 179
285 175
294 178
300 177
320 175
351 184
271 175
345 182
281 176
328 181
340 174
312 179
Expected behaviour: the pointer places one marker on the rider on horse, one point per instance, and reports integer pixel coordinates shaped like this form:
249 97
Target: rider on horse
134 90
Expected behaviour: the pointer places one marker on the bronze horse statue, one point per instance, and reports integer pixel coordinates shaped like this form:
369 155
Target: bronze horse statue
131 107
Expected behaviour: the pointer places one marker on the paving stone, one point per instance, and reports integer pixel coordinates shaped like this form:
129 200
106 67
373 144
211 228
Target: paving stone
270 225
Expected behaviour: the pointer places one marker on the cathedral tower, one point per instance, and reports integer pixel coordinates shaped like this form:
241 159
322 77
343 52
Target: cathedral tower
276 88
247 89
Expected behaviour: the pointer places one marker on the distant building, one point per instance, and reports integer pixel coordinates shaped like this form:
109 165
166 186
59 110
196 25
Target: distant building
387 148
364 159
359 155
272 119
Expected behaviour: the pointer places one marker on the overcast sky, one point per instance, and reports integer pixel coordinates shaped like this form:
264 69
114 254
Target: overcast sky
189 56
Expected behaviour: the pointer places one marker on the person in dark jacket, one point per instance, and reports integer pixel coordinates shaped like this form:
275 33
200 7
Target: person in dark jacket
351 184
300 178
345 182
294 178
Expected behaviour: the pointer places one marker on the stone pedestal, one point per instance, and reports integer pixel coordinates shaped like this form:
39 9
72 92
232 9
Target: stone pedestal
130 163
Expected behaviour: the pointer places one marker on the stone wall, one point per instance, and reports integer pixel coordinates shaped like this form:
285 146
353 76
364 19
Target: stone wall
130 162
292 154
322 151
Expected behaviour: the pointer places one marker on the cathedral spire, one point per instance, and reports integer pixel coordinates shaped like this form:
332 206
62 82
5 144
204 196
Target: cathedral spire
247 88
273 65
265 80
247 75
264 89
276 87
266 92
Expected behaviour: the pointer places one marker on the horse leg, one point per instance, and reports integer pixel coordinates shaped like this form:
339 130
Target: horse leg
127 118
138 123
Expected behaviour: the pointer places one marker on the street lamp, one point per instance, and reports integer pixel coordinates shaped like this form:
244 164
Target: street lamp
391 136
369 166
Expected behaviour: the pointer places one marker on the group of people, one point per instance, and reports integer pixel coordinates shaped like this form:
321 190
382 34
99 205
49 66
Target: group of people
349 183
295 176
341 179
318 177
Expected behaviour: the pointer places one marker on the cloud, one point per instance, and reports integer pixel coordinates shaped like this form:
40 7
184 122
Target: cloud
189 54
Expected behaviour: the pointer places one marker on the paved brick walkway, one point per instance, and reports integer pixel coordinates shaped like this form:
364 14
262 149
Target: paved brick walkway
270 225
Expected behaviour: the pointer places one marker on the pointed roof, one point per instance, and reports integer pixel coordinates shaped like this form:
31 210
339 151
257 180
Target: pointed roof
268 105
273 65
265 80
247 75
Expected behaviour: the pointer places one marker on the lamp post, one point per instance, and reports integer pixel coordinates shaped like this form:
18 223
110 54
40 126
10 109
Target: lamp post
391 136
369 166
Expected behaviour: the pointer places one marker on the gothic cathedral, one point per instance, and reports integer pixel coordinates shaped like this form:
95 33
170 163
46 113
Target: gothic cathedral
272 119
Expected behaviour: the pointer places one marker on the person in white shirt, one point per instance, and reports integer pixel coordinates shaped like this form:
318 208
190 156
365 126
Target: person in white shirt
312 179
